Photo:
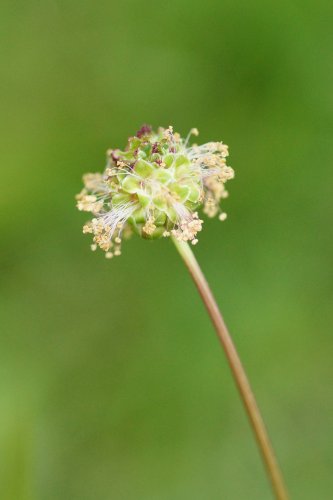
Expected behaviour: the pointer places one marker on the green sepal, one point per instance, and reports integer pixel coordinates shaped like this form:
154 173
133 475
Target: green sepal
194 194
172 214
162 175
160 218
182 192
143 168
181 160
139 216
130 184
119 198
134 143
160 202
143 199
182 171
125 156
168 160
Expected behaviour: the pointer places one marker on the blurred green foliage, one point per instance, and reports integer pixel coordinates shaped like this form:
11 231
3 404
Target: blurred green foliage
113 385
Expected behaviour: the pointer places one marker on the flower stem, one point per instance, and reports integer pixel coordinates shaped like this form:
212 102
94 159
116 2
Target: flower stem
237 369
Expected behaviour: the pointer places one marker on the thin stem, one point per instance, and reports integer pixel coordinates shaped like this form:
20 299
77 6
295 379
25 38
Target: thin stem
237 369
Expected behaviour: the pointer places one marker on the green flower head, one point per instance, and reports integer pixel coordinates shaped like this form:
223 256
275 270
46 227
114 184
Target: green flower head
154 188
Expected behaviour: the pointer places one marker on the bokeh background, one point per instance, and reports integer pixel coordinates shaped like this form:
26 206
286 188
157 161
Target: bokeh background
112 382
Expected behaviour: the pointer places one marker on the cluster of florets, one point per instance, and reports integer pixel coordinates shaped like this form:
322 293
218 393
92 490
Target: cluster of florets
154 188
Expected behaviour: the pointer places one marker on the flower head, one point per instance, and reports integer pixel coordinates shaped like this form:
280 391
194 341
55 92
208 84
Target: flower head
154 188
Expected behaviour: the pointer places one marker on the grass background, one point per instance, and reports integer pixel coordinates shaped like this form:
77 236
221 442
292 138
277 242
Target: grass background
112 383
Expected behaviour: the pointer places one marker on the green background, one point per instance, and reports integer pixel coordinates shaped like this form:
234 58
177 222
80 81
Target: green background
112 382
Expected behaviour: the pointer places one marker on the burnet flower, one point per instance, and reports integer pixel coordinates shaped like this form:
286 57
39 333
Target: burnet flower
154 188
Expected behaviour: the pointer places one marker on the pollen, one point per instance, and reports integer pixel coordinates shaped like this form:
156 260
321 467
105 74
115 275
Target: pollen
149 226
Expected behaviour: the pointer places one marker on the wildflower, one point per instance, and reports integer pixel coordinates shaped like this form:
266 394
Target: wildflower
154 188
